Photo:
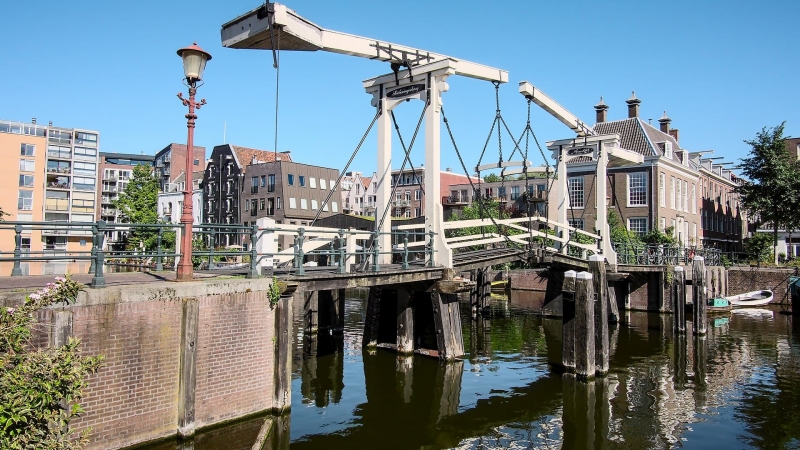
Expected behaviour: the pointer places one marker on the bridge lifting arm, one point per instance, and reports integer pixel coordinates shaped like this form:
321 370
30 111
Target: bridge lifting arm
257 28
559 112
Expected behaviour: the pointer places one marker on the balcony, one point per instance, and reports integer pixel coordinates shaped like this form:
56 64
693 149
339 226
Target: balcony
536 196
58 184
454 201
109 188
58 154
56 204
60 170
108 212
110 178
401 203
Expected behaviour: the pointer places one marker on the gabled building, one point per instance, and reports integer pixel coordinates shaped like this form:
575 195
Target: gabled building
354 187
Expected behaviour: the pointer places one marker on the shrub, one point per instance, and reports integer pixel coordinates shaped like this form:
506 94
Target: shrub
40 388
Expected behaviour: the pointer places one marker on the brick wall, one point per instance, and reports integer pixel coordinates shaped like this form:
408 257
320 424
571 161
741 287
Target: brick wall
134 397
746 279
234 348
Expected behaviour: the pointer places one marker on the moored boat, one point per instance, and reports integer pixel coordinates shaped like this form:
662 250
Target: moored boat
755 298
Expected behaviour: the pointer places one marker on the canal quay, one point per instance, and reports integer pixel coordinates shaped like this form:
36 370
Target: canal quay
737 387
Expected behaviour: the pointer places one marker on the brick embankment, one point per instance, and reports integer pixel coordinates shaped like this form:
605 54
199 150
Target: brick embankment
747 279
135 396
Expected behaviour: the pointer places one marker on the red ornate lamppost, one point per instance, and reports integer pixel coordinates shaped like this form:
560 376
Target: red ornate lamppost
194 62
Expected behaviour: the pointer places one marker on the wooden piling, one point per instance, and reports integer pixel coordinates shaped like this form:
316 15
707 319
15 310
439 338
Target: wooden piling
699 323
447 320
311 312
597 267
372 318
405 322
584 326
568 321
282 394
188 367
679 300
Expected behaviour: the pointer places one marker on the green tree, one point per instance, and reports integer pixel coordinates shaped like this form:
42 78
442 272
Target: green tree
771 188
760 247
491 178
138 204
40 388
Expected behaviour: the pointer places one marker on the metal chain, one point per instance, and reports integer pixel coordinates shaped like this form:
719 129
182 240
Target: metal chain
277 86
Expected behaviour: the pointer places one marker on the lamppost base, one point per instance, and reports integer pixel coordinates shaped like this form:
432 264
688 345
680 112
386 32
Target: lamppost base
180 276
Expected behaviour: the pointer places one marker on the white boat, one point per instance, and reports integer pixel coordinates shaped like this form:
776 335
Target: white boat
755 298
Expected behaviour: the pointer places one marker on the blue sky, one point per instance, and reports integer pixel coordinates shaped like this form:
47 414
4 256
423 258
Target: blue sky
721 69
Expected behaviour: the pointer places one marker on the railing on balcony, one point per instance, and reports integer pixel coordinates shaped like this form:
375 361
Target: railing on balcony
56 204
108 188
401 203
57 185
59 154
535 196
61 170
454 200
108 212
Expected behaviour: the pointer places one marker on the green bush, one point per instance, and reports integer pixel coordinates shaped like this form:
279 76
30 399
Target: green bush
40 388
760 247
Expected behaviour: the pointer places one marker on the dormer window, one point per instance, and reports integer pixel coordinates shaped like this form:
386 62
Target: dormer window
668 150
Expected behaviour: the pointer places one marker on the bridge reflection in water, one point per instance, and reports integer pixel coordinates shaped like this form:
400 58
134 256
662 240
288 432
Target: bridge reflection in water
739 387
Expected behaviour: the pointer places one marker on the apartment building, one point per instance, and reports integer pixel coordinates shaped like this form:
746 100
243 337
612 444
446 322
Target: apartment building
358 194
116 169
54 178
410 195
224 183
170 162
516 196
723 222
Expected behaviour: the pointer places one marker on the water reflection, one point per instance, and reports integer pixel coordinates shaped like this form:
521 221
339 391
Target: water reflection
738 387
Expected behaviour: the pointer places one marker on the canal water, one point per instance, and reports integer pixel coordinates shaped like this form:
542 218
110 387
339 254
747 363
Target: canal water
739 387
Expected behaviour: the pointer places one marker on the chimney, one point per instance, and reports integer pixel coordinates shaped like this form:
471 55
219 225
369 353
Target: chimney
602 111
50 124
664 122
674 133
33 121
633 105
448 169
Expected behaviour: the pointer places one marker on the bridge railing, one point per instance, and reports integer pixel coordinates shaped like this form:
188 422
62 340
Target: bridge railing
661 254
520 231
157 246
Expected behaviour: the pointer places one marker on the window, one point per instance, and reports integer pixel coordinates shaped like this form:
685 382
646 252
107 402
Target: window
270 204
514 192
662 224
662 195
84 184
263 181
325 207
332 184
301 179
26 181
686 196
322 183
637 189
576 223
638 224
82 151
693 197
408 196
290 180
398 212
26 165
292 203
668 149
398 196
278 203
408 213
314 205
694 231
501 192
87 169
312 183
27 149
247 205
87 139
418 212
334 207
271 183
253 186
196 162
303 203
575 187
86 206
25 201
263 204
672 192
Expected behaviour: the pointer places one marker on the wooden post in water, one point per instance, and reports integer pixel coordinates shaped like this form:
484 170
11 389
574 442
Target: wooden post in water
699 323
282 394
597 267
372 319
679 300
584 326
311 312
405 322
568 321
188 367
447 320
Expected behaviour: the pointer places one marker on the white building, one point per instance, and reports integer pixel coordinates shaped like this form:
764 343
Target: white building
170 203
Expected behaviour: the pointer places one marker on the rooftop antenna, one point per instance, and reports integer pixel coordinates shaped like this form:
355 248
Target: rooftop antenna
224 132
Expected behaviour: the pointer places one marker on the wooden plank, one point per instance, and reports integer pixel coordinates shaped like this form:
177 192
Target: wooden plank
568 322
447 320
597 267
478 242
472 236
503 164
282 400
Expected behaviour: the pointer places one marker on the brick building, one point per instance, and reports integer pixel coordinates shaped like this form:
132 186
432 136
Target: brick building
171 162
